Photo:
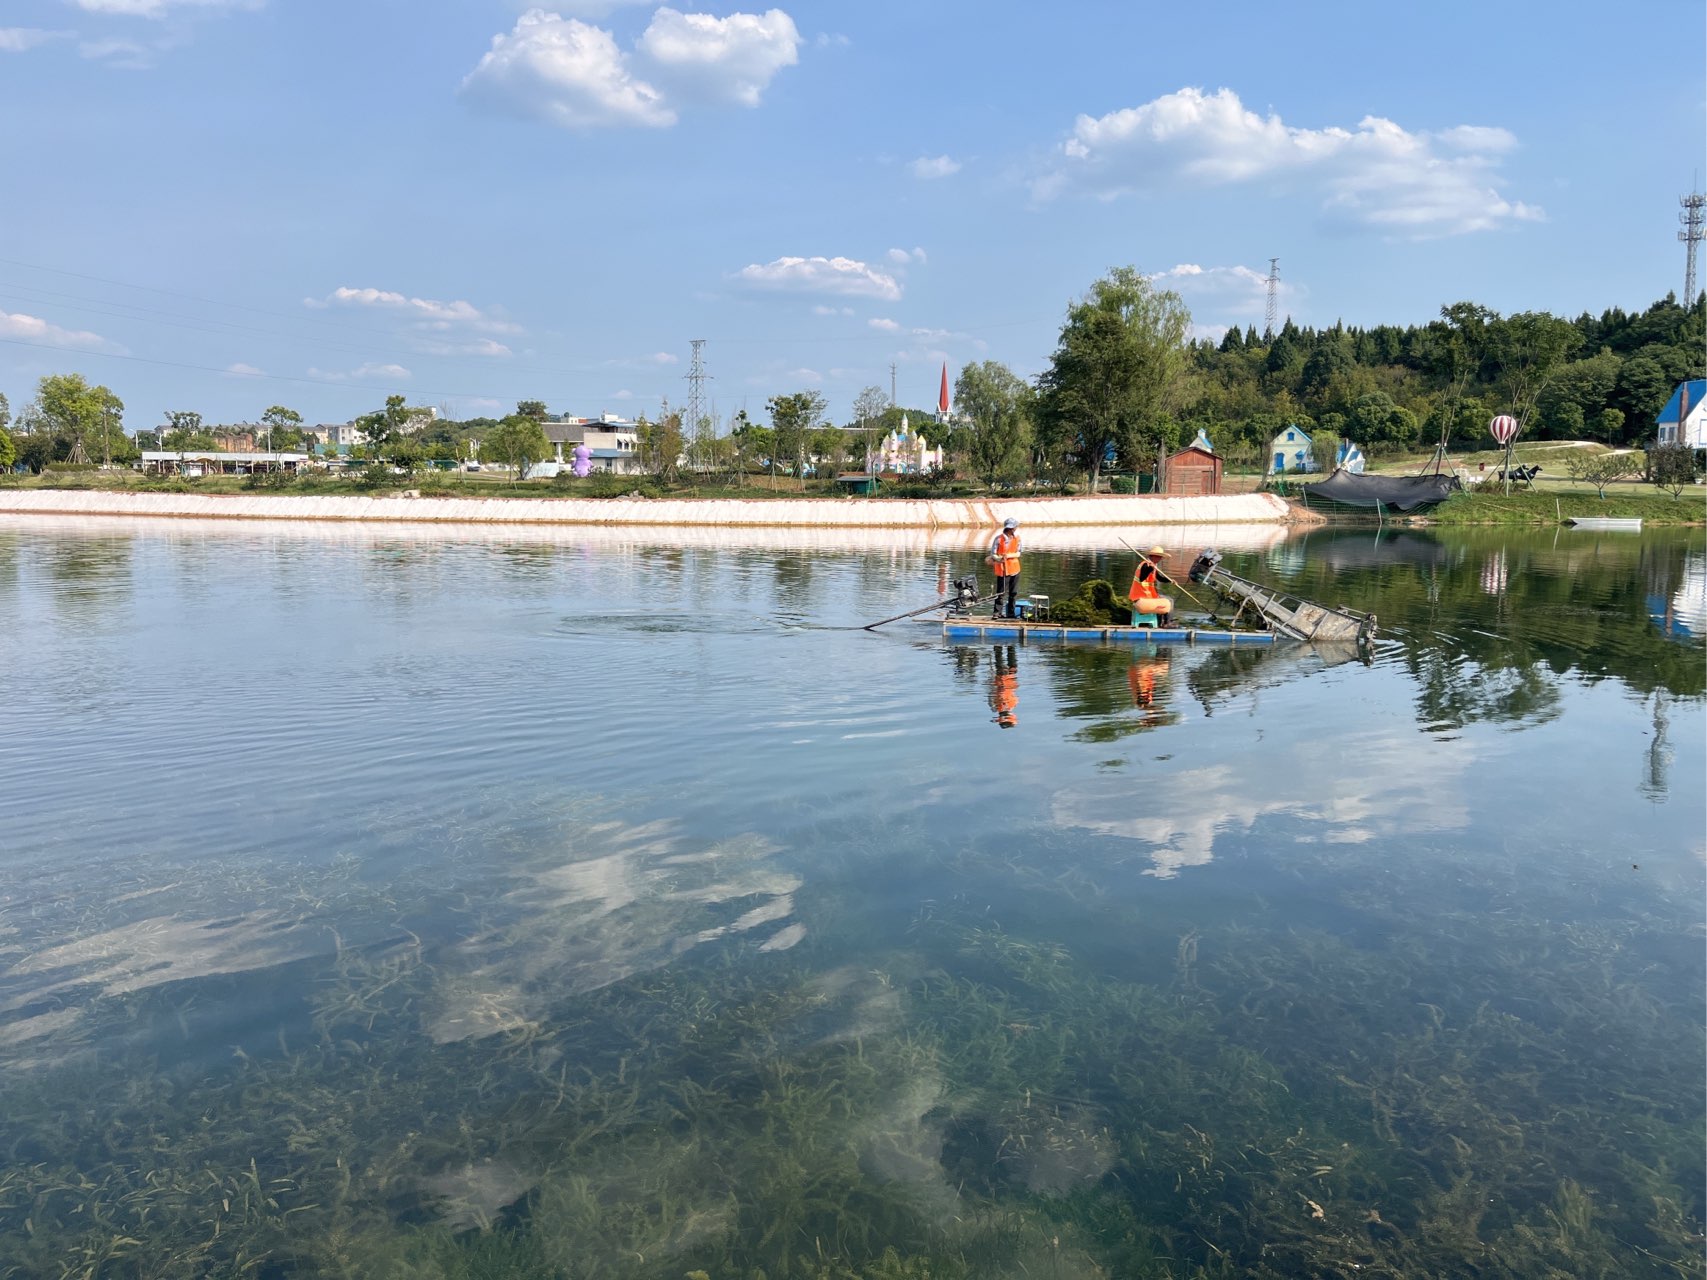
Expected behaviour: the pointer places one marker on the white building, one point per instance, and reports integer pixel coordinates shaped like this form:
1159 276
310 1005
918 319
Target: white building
612 441
1684 419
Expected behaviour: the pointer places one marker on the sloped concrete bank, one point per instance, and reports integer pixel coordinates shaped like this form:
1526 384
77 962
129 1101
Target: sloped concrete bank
846 513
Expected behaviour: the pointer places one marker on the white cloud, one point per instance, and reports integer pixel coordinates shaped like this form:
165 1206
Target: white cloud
884 323
663 357
20 39
822 310
241 370
731 59
903 257
1230 286
1376 174
473 347
928 167
846 276
33 329
428 313
566 73
826 40
129 55
389 372
624 394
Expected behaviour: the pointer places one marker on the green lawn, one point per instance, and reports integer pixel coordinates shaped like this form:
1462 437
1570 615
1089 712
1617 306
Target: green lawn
1548 504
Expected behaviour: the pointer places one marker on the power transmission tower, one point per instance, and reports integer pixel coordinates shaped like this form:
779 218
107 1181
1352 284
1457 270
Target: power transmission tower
891 384
697 376
1694 220
1272 311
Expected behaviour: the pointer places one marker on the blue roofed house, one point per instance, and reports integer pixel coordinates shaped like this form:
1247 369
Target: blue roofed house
1684 419
1290 451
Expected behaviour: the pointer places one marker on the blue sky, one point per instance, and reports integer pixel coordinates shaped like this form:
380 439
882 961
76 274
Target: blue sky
221 205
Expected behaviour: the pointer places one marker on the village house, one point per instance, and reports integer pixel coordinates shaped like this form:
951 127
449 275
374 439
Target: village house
613 442
1290 451
1194 471
1684 418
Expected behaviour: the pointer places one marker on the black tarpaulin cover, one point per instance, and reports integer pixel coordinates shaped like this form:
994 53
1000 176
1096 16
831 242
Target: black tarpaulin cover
1402 493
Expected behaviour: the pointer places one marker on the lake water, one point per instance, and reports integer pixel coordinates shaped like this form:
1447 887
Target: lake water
424 902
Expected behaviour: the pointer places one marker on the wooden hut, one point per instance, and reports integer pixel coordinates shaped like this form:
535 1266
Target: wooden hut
1193 472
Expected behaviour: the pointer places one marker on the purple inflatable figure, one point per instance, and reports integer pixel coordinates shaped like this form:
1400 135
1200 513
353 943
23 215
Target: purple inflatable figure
583 460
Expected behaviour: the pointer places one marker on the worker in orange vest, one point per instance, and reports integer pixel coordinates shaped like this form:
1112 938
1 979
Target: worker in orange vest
1004 687
1147 580
1003 559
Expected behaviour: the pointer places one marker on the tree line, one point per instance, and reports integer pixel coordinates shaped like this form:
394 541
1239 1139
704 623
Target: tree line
1126 382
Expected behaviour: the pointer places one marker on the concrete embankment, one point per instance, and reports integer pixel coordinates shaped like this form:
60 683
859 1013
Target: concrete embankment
820 513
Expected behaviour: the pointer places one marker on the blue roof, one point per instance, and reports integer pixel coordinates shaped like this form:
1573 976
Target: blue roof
1292 426
1697 388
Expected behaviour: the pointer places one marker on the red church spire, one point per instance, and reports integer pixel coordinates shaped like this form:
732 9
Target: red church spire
942 396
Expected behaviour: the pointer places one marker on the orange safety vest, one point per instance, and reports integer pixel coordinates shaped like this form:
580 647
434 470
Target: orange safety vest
1004 696
1004 552
1144 584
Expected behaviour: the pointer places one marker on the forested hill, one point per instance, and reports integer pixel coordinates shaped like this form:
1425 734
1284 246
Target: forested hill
1600 377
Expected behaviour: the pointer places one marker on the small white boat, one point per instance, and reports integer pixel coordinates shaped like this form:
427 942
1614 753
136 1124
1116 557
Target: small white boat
1607 524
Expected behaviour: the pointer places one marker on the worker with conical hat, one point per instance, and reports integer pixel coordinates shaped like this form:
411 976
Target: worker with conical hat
1146 584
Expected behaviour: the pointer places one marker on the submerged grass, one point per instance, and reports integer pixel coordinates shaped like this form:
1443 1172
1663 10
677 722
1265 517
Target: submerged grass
1467 1096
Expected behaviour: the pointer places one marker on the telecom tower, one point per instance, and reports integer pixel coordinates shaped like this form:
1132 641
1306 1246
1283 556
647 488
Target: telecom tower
1694 220
697 376
1272 311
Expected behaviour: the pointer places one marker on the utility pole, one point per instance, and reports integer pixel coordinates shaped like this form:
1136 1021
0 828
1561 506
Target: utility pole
1694 220
891 384
1272 311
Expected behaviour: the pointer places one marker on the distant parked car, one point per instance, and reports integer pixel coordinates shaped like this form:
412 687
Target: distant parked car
471 466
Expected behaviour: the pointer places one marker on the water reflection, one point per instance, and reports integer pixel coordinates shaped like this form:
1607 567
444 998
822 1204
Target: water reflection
1004 685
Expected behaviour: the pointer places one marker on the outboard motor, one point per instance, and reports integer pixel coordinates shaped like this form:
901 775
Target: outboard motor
1205 564
965 595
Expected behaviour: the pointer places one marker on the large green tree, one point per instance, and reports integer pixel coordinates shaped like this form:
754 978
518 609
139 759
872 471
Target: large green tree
793 417
388 432
518 441
284 427
1116 371
1530 348
87 422
997 405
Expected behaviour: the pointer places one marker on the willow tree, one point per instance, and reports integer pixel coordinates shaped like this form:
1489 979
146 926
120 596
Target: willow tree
1115 372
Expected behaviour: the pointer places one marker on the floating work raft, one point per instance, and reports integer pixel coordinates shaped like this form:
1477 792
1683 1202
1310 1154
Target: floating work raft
1001 630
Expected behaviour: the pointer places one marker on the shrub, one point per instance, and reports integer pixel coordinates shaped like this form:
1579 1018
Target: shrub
269 480
1671 467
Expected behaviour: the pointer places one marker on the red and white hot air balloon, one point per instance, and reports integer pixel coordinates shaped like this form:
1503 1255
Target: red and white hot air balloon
1503 428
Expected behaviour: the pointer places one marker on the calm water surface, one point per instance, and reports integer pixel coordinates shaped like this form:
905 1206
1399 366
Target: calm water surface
436 903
